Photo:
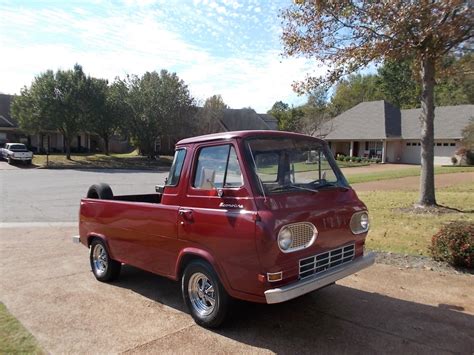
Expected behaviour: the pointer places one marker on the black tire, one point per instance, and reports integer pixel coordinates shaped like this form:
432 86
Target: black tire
209 317
104 268
100 191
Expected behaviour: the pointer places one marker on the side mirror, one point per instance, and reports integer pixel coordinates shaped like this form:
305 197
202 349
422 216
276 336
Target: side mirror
159 188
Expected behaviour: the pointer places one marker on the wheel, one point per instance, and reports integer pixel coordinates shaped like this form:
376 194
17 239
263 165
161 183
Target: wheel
104 268
204 295
101 191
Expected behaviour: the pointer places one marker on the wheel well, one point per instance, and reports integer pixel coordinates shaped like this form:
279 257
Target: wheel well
186 260
91 238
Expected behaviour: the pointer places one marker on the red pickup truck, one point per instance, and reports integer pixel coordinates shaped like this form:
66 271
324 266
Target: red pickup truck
262 216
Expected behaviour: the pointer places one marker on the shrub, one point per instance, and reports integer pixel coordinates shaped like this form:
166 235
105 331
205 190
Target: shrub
340 157
470 157
377 161
454 160
358 159
454 243
347 158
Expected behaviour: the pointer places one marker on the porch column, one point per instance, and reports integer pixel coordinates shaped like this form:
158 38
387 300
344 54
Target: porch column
351 148
89 142
384 148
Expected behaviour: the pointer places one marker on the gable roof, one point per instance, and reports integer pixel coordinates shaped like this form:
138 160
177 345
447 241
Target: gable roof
380 120
243 119
367 120
448 123
5 119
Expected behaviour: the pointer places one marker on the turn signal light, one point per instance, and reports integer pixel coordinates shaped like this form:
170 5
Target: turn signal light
274 276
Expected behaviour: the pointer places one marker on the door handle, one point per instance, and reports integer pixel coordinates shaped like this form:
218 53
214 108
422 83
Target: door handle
184 212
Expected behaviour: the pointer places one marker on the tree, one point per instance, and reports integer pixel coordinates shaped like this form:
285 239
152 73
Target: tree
315 114
159 104
107 110
352 91
397 85
456 85
348 35
54 101
210 114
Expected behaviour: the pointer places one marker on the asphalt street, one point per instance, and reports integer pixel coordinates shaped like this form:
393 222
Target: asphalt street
41 195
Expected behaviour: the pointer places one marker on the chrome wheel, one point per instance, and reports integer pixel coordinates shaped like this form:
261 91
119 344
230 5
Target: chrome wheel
100 260
201 294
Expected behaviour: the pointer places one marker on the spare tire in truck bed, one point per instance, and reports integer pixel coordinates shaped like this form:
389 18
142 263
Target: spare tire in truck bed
100 191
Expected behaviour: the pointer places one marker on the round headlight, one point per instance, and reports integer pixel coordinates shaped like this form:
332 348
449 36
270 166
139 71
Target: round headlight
285 238
359 222
364 221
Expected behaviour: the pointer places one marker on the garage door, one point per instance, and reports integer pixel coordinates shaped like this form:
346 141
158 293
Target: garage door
411 153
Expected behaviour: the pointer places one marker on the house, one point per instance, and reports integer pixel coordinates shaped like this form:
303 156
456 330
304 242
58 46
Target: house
379 129
53 141
228 120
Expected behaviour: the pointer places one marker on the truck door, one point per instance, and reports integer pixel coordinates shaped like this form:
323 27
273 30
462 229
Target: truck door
218 214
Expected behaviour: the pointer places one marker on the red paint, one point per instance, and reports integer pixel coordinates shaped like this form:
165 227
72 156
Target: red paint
240 243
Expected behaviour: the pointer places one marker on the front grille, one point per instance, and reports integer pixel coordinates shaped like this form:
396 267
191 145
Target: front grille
327 260
303 235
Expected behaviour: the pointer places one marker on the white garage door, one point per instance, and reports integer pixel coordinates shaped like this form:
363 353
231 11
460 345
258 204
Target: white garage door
411 153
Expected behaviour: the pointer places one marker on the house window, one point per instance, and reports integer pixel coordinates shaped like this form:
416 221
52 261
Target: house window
438 144
452 144
408 144
374 148
445 144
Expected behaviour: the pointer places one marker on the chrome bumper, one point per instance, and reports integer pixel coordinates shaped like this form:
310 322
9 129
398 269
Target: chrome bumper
299 288
76 239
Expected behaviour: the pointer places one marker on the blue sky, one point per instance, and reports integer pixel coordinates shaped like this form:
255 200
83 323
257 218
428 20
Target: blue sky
227 47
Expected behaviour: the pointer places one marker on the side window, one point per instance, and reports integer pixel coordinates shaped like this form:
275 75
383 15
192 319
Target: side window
217 167
176 167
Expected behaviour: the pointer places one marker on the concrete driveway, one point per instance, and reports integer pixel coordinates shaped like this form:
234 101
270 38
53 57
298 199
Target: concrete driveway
47 284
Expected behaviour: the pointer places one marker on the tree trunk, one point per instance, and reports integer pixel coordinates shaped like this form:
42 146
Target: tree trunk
427 187
68 148
106 145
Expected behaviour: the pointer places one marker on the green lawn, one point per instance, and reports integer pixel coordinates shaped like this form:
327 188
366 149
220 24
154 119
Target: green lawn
14 338
119 161
408 233
395 174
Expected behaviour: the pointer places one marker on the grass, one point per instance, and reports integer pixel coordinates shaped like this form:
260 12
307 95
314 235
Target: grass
301 167
395 174
119 161
408 233
14 338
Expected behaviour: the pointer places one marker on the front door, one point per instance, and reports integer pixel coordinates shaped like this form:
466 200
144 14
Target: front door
219 215
355 149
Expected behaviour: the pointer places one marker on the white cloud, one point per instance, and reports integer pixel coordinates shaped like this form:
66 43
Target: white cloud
122 43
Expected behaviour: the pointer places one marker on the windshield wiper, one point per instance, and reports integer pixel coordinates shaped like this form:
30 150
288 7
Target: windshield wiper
285 187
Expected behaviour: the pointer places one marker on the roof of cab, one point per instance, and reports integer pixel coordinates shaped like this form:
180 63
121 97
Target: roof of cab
241 134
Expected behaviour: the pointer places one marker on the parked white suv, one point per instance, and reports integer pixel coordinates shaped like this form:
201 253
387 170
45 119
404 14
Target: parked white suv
16 152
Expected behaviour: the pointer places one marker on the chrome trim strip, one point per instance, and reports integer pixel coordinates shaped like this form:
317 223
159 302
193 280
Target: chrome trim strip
299 288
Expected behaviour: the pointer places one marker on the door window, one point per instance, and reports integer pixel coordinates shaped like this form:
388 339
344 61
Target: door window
176 167
217 167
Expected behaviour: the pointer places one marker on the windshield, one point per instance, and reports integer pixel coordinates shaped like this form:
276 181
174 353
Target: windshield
287 164
17 147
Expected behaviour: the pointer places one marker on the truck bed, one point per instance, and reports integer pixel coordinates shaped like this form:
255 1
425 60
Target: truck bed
147 198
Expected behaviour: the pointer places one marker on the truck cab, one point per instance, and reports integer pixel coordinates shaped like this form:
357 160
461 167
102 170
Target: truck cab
262 216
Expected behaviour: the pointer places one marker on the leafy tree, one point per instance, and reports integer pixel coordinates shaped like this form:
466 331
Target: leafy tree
348 35
397 85
468 135
159 104
208 117
107 109
281 111
315 114
54 101
456 85
354 90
